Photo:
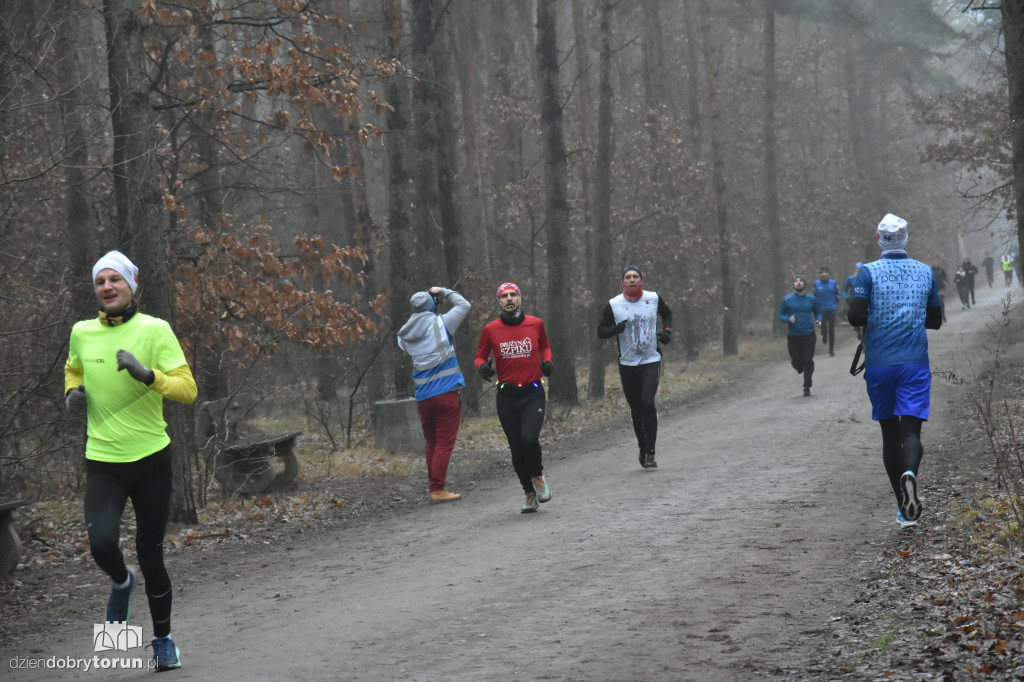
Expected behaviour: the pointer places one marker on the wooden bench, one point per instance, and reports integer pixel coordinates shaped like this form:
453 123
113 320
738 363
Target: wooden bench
10 543
249 464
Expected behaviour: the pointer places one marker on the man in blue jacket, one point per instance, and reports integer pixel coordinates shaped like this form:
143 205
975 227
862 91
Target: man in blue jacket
802 313
826 290
898 299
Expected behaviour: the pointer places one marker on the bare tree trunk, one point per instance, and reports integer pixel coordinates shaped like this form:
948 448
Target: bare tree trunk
560 319
602 236
427 222
586 102
693 126
75 107
139 202
1013 37
730 344
859 111
366 236
655 96
692 71
399 231
771 180
445 171
456 238
506 30
477 238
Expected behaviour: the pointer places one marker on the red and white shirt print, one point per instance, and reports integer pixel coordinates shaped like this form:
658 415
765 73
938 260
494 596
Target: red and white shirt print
517 349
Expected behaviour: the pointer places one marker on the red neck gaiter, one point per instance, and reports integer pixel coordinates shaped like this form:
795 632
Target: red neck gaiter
633 293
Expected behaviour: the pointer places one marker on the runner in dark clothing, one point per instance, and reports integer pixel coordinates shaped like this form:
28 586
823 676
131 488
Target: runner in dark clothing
989 263
632 318
963 287
940 281
970 271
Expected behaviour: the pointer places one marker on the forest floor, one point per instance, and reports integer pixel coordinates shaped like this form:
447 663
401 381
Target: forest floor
763 547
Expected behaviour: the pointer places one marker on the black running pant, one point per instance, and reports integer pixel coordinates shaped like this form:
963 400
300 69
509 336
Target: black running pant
521 413
901 449
828 328
801 354
147 482
640 386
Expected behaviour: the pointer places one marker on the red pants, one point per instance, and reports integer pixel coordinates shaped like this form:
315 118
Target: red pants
440 417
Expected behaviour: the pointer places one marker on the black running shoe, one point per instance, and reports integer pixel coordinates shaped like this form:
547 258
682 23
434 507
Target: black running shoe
911 506
649 462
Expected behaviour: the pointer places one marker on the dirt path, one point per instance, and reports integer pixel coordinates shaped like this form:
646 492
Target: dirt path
725 563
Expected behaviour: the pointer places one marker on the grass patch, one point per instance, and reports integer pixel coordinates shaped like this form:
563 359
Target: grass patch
358 461
762 348
883 641
480 433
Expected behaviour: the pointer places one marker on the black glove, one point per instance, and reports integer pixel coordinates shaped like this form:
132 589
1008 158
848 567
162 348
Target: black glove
486 371
664 336
546 367
620 327
139 371
76 402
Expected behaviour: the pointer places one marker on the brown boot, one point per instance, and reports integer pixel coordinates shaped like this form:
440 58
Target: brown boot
443 496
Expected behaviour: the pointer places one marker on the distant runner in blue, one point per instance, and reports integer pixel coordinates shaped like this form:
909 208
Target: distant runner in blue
896 299
848 294
826 290
800 311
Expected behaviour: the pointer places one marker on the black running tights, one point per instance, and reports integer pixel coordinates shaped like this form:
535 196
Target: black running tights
901 448
640 386
521 413
828 329
108 486
801 354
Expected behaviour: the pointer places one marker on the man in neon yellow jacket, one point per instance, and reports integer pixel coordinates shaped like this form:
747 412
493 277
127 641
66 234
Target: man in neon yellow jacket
121 365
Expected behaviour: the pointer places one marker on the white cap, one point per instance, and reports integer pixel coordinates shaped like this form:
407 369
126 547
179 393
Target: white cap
892 233
117 261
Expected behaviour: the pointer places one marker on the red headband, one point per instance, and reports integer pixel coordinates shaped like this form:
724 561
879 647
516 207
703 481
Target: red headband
507 286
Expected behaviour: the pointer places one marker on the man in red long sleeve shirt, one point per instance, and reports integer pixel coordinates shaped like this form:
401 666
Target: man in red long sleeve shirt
522 355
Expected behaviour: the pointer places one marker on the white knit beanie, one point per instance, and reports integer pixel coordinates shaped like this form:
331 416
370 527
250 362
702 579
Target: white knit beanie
892 233
117 261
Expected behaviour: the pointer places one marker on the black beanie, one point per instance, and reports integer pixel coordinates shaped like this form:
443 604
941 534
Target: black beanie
629 268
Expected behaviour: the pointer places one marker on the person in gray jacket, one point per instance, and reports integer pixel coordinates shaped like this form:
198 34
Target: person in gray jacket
428 339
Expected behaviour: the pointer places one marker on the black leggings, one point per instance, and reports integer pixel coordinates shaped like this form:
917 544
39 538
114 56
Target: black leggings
801 355
108 486
901 448
640 386
828 329
521 413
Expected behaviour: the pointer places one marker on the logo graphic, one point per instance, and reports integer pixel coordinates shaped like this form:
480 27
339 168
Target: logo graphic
516 348
116 636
